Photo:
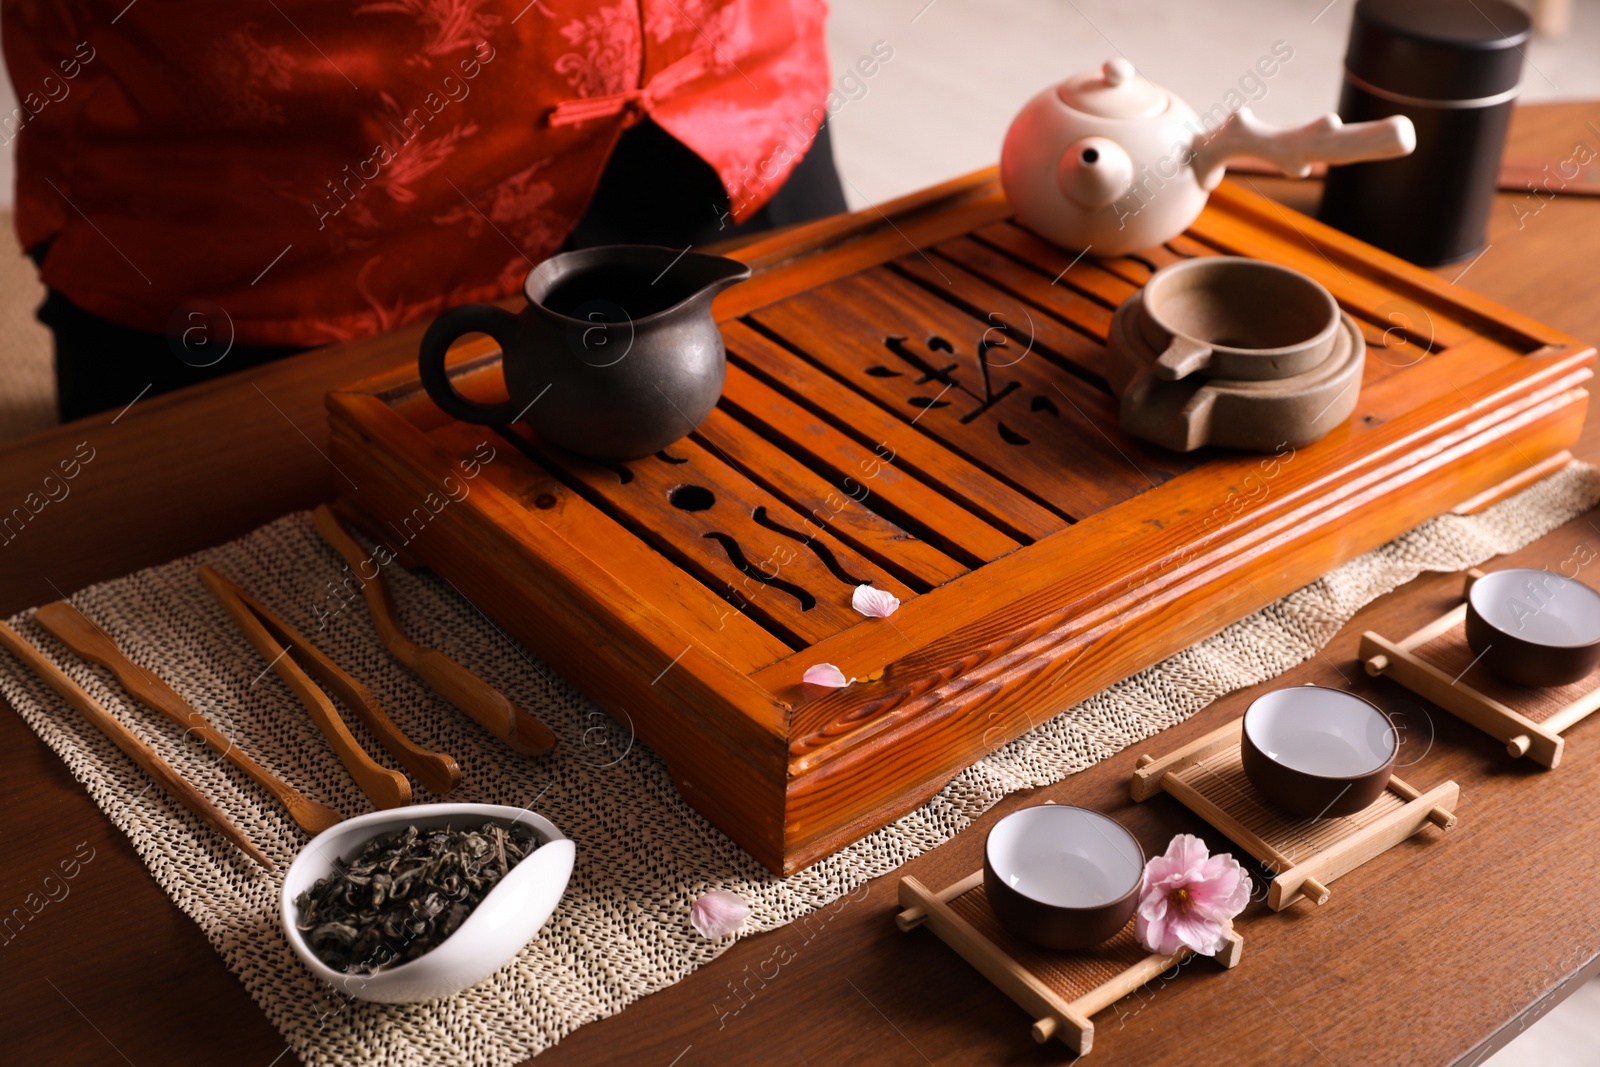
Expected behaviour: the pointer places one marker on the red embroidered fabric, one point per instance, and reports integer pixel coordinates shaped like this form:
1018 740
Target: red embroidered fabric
324 171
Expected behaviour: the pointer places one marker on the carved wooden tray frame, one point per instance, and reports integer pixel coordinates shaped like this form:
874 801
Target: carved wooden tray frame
866 414
1303 855
1061 990
1468 697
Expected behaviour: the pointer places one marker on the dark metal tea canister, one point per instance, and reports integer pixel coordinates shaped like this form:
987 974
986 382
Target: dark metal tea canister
1452 67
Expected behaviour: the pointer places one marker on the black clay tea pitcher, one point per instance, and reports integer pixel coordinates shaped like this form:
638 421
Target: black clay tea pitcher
615 357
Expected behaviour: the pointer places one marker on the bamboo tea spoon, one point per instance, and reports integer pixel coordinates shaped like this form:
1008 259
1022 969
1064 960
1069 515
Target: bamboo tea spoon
81 634
296 659
177 786
489 707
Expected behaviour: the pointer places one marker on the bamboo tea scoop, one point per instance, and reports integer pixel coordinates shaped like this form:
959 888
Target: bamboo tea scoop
177 786
81 634
492 709
296 660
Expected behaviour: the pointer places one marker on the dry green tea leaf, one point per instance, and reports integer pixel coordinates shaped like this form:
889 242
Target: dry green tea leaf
405 893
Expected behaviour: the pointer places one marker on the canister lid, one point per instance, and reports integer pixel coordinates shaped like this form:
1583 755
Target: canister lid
1438 49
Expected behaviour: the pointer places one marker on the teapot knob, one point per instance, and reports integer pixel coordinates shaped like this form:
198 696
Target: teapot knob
1118 71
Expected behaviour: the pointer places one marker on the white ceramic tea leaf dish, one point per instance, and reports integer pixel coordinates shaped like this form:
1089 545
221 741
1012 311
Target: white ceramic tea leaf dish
502 923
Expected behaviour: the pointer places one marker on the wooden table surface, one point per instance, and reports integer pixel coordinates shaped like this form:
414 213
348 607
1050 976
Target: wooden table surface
1440 951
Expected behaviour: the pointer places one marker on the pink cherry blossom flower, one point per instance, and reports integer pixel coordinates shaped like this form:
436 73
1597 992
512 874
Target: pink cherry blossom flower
874 603
718 913
826 674
1188 898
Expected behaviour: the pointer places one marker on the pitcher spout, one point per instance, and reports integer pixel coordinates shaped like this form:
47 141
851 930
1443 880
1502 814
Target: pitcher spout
628 282
711 274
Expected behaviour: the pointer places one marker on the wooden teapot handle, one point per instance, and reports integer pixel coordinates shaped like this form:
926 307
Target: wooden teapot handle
444 331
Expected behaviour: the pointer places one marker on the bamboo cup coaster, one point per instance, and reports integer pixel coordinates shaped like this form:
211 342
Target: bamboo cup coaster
1436 664
1304 855
1060 989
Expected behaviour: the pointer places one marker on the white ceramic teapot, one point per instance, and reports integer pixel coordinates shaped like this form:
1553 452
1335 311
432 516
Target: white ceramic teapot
1110 163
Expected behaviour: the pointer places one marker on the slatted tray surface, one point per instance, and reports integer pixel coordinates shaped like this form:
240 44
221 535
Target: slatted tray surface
1301 855
1438 665
1069 975
1061 990
1451 654
1220 779
783 518
916 400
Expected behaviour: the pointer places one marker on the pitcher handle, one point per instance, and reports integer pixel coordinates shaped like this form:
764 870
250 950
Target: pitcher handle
452 324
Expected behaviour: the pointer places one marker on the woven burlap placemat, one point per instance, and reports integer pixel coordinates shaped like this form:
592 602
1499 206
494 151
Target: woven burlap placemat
622 930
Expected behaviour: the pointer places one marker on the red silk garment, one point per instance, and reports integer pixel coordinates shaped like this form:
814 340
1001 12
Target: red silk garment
328 171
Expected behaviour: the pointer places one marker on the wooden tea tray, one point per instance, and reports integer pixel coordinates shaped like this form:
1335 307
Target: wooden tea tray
1061 990
1040 552
1436 664
1302 855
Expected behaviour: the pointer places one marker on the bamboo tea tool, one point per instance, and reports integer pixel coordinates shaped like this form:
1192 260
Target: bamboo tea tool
177 786
1436 664
85 637
1304 855
297 661
489 707
1062 990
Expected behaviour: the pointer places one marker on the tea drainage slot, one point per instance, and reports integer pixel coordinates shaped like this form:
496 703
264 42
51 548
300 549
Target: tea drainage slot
737 557
1010 436
691 498
820 550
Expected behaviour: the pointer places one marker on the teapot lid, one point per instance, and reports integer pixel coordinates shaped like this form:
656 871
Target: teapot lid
1115 91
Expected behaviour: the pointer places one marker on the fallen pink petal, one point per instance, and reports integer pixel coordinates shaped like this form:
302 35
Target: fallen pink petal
826 674
1188 898
874 603
718 913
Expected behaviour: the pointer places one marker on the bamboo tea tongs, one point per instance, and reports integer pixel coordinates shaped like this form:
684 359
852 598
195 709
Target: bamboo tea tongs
85 637
489 707
297 661
176 785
